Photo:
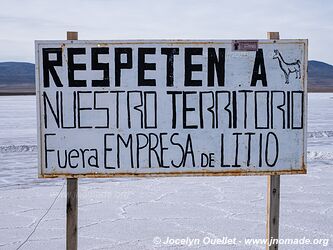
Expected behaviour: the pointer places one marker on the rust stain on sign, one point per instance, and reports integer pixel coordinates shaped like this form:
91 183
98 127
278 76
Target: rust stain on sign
176 174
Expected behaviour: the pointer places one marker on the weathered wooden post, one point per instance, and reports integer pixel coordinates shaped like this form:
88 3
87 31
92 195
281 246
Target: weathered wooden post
72 195
273 194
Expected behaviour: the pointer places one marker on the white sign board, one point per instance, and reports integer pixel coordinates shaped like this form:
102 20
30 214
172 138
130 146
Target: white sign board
171 107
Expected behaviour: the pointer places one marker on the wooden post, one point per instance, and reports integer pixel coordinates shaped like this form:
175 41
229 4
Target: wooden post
273 195
72 195
71 213
273 35
72 35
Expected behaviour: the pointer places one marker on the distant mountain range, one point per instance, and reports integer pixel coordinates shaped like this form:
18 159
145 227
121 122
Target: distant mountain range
320 77
19 77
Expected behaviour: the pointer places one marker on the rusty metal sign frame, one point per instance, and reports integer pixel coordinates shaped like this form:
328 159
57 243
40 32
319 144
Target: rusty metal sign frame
243 172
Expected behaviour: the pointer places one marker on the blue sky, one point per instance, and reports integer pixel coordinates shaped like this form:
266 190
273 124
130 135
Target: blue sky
23 21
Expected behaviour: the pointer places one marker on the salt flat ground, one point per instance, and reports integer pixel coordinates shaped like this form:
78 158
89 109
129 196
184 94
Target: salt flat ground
130 213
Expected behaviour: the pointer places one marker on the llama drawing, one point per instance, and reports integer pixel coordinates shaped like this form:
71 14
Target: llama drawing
288 68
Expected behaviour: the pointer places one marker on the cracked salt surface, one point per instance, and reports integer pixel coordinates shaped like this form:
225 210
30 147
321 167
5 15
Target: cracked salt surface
129 213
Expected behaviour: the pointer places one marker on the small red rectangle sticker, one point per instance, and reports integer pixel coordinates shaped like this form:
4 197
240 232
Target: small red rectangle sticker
245 45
